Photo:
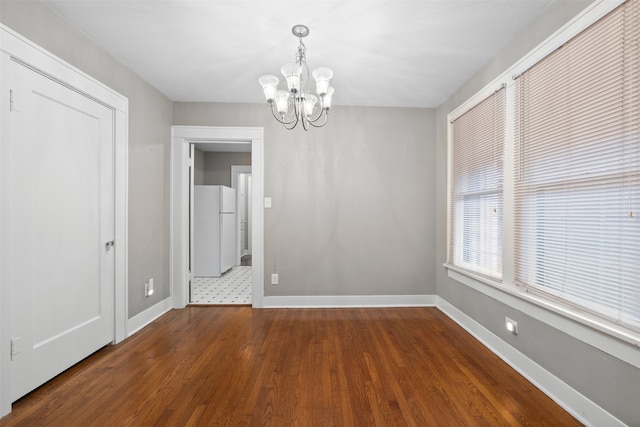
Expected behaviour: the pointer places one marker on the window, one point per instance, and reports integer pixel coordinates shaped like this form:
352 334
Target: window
577 171
568 127
476 187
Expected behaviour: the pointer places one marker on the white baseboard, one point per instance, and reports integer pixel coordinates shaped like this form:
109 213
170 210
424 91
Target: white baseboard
348 301
583 409
139 321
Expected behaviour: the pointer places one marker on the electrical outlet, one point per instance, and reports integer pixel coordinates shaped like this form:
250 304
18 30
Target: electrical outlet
511 325
274 279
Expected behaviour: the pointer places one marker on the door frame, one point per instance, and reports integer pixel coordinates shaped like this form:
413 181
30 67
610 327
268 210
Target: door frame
14 47
182 137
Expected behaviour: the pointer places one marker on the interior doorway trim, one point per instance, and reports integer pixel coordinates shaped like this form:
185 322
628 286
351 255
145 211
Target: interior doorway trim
182 137
13 45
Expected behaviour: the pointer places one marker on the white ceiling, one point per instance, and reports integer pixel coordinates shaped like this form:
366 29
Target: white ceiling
383 53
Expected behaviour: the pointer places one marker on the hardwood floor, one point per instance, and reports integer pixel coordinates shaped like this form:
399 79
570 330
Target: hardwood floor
230 366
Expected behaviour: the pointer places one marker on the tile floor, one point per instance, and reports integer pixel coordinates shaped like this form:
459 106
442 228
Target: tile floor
233 287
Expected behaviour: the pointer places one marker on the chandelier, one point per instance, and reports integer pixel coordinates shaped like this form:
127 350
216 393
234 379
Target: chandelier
295 105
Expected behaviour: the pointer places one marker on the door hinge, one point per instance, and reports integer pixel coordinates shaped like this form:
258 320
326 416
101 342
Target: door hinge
16 347
13 103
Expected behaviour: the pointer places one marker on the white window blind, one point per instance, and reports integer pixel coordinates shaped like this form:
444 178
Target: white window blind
477 150
577 171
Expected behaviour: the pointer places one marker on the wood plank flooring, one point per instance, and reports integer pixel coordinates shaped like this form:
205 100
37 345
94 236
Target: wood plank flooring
234 366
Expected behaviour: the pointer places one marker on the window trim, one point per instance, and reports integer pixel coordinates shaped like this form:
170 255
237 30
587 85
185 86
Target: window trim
617 341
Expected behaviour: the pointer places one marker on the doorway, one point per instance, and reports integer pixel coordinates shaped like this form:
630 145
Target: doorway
219 232
183 137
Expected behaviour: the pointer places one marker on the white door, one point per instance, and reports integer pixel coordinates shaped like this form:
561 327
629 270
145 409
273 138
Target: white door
59 189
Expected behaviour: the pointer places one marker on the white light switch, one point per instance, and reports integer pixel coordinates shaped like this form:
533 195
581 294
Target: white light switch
274 279
267 202
148 288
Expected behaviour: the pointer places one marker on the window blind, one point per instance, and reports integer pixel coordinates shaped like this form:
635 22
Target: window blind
577 171
476 187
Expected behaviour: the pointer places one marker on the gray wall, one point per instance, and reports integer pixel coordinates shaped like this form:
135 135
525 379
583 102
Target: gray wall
217 166
150 116
612 384
198 167
353 202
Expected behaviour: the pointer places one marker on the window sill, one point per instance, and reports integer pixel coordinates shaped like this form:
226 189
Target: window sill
619 342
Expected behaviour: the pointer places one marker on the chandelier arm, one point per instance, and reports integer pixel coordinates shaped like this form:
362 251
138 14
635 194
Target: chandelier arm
305 124
318 117
288 125
326 118
292 124
273 111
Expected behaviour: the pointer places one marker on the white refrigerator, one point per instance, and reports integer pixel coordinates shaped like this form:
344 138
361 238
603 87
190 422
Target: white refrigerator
214 230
